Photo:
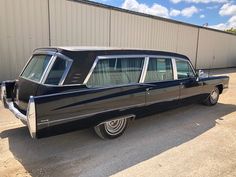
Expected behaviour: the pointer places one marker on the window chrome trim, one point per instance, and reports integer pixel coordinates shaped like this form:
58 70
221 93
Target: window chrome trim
47 70
144 70
111 57
189 62
174 68
40 81
161 57
63 57
145 66
70 61
36 53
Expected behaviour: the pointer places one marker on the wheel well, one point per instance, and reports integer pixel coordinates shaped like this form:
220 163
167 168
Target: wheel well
220 87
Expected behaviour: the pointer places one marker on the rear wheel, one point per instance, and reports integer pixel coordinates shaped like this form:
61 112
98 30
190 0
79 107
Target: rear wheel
212 99
112 129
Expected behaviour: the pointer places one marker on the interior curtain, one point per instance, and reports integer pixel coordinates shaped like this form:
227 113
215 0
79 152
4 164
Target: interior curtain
116 72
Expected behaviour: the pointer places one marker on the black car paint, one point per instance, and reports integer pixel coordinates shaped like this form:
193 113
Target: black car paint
59 113
66 108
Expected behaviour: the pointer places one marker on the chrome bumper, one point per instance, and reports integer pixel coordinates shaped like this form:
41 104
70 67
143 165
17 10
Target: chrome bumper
29 119
15 111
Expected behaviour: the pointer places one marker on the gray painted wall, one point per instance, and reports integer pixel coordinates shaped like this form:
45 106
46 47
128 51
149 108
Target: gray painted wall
28 24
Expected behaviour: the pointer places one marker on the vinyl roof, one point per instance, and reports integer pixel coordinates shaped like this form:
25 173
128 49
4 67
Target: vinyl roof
111 50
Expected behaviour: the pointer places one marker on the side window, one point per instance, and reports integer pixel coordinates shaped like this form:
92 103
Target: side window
159 69
116 71
184 70
57 71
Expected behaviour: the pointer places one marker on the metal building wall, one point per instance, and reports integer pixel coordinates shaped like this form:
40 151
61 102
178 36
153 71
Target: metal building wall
73 23
23 27
216 49
28 24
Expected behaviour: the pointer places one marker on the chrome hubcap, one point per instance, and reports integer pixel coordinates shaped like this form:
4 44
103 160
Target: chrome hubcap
115 127
214 95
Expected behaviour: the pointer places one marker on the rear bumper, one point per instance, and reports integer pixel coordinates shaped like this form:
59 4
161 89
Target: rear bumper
29 119
10 105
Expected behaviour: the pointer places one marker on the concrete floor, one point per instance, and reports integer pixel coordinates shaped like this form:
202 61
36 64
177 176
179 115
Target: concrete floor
190 141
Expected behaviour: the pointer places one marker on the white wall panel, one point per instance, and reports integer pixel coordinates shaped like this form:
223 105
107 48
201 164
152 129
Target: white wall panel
23 27
78 24
187 42
129 30
215 49
232 52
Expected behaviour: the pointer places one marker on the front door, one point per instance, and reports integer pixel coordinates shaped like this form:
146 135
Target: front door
190 87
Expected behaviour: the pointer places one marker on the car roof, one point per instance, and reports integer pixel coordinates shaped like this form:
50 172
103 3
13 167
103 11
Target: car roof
110 50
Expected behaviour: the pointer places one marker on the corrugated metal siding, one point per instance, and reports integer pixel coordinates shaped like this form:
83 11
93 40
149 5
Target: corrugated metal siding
23 27
216 50
187 42
78 24
129 30
28 24
232 52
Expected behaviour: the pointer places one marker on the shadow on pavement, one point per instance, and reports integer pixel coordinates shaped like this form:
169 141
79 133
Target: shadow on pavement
82 153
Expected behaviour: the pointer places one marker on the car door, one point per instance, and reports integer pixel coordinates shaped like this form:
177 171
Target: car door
113 85
190 87
162 90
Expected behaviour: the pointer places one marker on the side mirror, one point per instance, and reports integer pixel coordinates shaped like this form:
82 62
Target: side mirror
201 74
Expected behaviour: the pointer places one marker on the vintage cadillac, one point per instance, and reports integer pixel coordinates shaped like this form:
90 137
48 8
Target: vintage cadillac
62 89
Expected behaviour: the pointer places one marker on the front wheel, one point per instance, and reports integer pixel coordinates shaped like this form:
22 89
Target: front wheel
212 99
112 129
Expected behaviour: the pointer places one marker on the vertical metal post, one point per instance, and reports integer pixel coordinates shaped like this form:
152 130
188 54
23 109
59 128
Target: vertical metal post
49 25
109 29
196 56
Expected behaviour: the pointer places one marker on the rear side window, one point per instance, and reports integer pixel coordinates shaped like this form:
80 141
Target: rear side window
116 71
159 69
36 67
184 70
57 71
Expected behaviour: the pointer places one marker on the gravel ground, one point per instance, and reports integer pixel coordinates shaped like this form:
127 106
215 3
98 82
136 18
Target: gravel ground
190 141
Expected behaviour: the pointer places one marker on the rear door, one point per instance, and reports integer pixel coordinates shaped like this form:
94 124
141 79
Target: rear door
113 85
162 90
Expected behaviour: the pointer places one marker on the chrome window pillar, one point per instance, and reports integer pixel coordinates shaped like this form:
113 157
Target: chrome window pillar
144 70
174 69
69 64
191 66
48 69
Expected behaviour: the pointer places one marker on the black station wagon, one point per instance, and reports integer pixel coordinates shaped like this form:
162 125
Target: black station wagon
68 88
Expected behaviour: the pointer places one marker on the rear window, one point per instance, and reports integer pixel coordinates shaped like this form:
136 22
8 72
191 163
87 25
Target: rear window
36 67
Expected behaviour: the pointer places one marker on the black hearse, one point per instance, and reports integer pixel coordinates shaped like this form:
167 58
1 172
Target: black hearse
67 88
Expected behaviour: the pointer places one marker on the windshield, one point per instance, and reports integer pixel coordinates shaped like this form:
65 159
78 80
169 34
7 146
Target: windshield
36 67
